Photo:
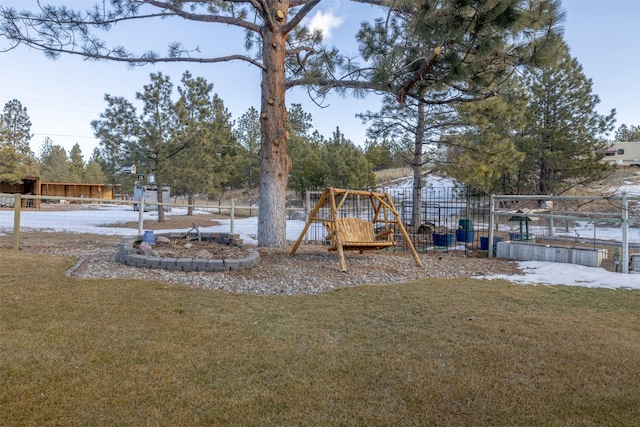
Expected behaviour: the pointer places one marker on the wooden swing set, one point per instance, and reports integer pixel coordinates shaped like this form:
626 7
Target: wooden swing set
350 233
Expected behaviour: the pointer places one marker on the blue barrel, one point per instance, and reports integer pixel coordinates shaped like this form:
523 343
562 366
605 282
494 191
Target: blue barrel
484 243
443 240
464 236
149 237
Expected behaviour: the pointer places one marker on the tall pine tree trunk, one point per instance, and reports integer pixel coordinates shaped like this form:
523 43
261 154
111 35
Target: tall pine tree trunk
160 200
417 167
274 163
190 202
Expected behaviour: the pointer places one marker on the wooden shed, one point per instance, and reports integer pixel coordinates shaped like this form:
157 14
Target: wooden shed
33 186
76 189
29 185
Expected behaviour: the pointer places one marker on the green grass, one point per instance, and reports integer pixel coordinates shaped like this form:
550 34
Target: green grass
438 352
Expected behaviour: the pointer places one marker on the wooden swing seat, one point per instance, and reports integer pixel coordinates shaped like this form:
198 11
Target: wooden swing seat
357 234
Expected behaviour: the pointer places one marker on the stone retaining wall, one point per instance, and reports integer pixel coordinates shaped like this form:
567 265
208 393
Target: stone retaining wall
128 255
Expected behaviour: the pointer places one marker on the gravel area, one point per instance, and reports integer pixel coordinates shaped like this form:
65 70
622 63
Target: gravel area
311 270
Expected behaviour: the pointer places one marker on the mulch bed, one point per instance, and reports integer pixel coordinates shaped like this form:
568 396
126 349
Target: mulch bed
195 249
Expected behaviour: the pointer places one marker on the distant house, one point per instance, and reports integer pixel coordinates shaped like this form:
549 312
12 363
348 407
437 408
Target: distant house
129 168
622 154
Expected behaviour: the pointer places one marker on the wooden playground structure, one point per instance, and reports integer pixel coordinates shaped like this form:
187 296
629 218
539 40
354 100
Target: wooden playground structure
351 233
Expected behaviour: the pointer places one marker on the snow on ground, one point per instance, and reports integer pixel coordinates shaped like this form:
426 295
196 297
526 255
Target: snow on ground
430 182
555 273
631 186
95 221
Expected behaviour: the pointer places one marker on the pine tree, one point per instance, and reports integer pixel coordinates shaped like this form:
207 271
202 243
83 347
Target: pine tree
414 127
285 52
207 145
94 172
15 129
483 153
17 159
563 133
308 172
247 132
10 169
54 163
148 139
627 133
76 164
383 154
347 167
444 53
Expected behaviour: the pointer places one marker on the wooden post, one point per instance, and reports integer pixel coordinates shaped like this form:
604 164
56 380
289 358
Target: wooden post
312 217
17 205
414 253
336 231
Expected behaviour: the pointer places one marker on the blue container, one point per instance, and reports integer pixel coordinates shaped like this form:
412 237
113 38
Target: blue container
443 240
149 237
464 236
484 242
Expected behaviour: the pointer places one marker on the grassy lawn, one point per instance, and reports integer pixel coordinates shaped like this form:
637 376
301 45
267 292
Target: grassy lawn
438 352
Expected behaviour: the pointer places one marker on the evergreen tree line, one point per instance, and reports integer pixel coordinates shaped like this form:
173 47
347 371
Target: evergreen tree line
200 151
540 136
486 92
53 163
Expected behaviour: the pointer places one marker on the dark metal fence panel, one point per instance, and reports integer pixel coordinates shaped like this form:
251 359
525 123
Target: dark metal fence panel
460 213
450 217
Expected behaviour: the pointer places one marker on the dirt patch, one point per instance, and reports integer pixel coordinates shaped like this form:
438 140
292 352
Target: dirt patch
176 222
195 249
40 240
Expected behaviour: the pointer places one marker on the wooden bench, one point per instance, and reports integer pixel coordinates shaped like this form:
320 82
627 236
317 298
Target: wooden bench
357 234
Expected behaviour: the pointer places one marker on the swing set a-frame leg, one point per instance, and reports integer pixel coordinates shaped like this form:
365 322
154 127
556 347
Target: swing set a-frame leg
312 217
336 234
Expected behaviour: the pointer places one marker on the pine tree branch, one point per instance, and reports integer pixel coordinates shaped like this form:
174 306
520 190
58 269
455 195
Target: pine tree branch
230 20
402 93
299 16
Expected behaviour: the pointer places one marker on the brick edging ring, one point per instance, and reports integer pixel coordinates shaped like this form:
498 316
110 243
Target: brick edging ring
128 255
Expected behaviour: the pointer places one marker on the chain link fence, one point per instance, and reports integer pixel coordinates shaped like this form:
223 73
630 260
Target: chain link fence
608 225
450 219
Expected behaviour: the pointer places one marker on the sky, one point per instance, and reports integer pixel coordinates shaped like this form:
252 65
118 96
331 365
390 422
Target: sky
62 97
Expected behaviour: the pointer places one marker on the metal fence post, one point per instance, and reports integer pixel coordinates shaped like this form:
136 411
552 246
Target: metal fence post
141 215
625 233
551 226
490 236
307 212
17 205
232 214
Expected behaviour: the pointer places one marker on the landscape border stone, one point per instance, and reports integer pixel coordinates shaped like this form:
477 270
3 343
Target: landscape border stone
129 255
